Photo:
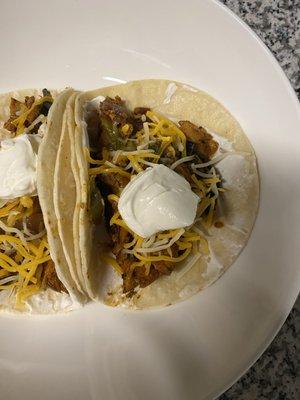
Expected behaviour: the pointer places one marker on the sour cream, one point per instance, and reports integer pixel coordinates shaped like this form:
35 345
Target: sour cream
18 161
156 200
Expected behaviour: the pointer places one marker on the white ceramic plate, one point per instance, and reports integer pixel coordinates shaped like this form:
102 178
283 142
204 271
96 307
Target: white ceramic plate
198 348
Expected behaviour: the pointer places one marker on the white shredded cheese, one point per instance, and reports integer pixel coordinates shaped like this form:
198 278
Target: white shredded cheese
147 132
41 118
182 160
145 145
160 242
31 236
149 242
179 144
162 247
202 174
9 279
110 164
150 164
128 166
116 156
169 251
9 229
213 161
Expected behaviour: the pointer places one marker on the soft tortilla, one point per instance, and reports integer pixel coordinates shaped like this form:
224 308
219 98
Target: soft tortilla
80 174
65 200
45 181
84 233
239 203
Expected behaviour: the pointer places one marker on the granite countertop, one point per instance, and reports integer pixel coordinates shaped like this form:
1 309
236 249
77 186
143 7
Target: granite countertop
276 375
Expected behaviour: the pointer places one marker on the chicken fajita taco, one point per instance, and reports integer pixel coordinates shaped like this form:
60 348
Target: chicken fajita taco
167 191
35 276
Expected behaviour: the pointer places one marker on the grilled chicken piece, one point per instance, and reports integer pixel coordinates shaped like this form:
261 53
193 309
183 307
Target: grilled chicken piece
50 277
205 145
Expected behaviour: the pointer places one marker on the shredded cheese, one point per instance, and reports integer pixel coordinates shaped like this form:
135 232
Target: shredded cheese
163 258
21 253
200 173
113 197
132 243
103 170
111 261
149 242
10 278
135 164
40 119
182 160
199 185
90 160
19 121
162 247
211 162
29 236
148 163
136 152
4 212
9 229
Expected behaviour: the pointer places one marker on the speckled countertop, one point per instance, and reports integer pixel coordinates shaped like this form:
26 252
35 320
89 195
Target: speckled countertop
276 375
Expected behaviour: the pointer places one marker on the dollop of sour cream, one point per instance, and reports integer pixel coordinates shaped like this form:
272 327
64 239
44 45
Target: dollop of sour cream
18 161
156 200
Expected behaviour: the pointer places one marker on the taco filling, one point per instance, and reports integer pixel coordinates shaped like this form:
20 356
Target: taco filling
25 262
157 178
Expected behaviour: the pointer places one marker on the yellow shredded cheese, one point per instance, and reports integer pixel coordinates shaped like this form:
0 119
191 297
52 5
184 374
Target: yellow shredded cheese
10 286
132 243
105 170
90 159
26 201
111 261
22 259
32 266
199 184
113 197
164 127
23 208
3 273
184 245
204 203
4 212
168 235
135 163
114 218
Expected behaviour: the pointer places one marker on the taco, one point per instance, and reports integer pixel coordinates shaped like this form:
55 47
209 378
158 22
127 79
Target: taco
176 182
35 275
